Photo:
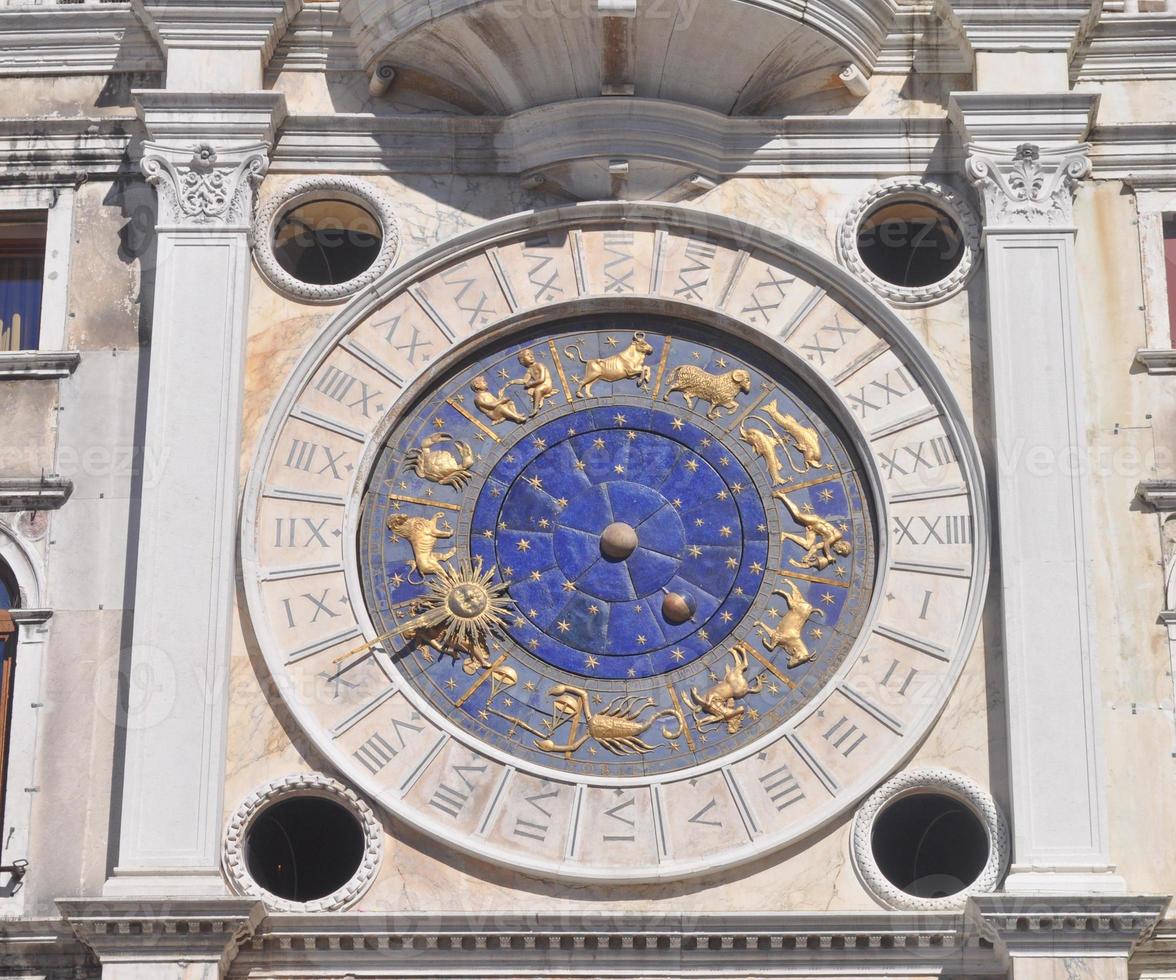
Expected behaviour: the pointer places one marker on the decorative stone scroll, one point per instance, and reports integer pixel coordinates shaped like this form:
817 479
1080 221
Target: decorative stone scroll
1028 189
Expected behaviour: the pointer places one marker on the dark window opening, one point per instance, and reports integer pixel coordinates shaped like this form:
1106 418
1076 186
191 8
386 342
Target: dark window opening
1170 273
304 848
910 243
9 600
327 242
929 845
22 274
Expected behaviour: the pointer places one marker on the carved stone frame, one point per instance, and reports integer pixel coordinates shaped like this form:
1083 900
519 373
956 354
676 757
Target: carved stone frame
305 190
947 783
905 189
316 785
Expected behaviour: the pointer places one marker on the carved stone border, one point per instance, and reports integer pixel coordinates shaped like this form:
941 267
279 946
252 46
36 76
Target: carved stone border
358 192
948 783
929 192
310 784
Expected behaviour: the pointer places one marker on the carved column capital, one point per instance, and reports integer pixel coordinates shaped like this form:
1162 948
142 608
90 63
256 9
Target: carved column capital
201 185
1028 189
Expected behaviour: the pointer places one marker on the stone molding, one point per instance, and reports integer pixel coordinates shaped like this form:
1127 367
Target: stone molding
163 930
935 194
1158 361
1160 494
72 39
226 24
352 189
35 364
948 783
33 493
221 118
1028 190
310 784
1054 121
1067 925
200 186
1031 25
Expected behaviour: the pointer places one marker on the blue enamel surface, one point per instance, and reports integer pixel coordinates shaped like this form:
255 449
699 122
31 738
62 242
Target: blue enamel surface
540 494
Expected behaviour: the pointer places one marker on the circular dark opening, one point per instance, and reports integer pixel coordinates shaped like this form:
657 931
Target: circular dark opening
304 848
327 242
929 845
910 243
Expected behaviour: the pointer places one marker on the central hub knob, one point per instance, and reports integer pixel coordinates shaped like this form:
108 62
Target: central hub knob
618 540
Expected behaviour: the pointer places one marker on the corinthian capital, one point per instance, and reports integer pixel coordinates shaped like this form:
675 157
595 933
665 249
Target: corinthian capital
1028 189
199 184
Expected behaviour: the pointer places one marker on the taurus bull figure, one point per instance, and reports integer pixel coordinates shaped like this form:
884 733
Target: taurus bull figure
629 363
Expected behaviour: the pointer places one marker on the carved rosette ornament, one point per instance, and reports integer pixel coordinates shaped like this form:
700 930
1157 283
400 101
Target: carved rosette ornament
1029 189
201 185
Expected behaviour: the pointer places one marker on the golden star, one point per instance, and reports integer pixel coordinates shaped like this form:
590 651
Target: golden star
721 495
611 341
692 465
816 632
826 494
724 461
725 531
677 423
523 544
561 502
539 443
618 468
593 610
828 599
580 465
694 550
677 654
641 639
727 617
619 419
529 685
632 671
544 522
732 562
535 576
535 481
632 435
564 625
451 683
568 587
591 663
597 443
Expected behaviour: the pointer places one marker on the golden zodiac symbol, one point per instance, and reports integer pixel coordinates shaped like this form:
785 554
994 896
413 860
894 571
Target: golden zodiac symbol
629 363
721 390
717 703
440 465
803 438
536 380
822 542
617 726
460 610
497 408
422 534
765 445
788 632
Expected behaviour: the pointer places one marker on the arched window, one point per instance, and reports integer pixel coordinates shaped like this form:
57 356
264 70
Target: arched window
9 600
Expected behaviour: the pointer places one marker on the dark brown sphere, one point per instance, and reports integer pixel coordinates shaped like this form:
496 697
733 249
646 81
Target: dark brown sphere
618 540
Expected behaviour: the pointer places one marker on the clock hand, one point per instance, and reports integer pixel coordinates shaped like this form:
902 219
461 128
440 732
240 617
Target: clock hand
426 619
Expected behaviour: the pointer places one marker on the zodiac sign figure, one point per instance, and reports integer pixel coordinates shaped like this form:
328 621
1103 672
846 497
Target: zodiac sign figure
440 465
497 408
537 380
717 703
629 363
765 444
823 543
422 534
433 635
804 438
721 390
617 726
788 632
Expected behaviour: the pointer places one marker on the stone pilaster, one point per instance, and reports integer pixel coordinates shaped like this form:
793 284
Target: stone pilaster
176 715
1051 658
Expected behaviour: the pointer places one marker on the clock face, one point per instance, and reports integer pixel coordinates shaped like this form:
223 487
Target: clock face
616 544
656 539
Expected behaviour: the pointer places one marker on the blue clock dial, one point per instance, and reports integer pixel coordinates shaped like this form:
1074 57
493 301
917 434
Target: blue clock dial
619 547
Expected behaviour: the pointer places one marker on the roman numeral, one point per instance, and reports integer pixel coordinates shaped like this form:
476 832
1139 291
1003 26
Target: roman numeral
616 244
944 529
479 308
286 532
377 751
883 392
452 799
782 788
928 454
318 605
338 385
840 336
305 455
762 306
845 736
700 816
537 828
415 345
617 813
903 680
700 255
544 280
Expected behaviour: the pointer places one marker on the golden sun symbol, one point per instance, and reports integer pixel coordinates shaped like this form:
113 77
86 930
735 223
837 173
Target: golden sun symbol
465 601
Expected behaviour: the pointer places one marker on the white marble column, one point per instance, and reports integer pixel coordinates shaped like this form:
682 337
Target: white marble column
178 672
1045 532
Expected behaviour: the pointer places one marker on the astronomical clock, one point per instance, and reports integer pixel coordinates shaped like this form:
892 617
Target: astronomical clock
625 548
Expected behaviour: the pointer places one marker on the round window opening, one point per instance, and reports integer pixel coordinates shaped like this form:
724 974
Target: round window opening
327 242
910 243
304 848
930 845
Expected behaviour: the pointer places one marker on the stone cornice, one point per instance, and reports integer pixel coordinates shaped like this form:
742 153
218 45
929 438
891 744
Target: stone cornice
155 931
33 493
1027 25
1027 190
213 117
1157 361
226 24
31 364
1050 120
75 39
1160 494
1067 926
1124 47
